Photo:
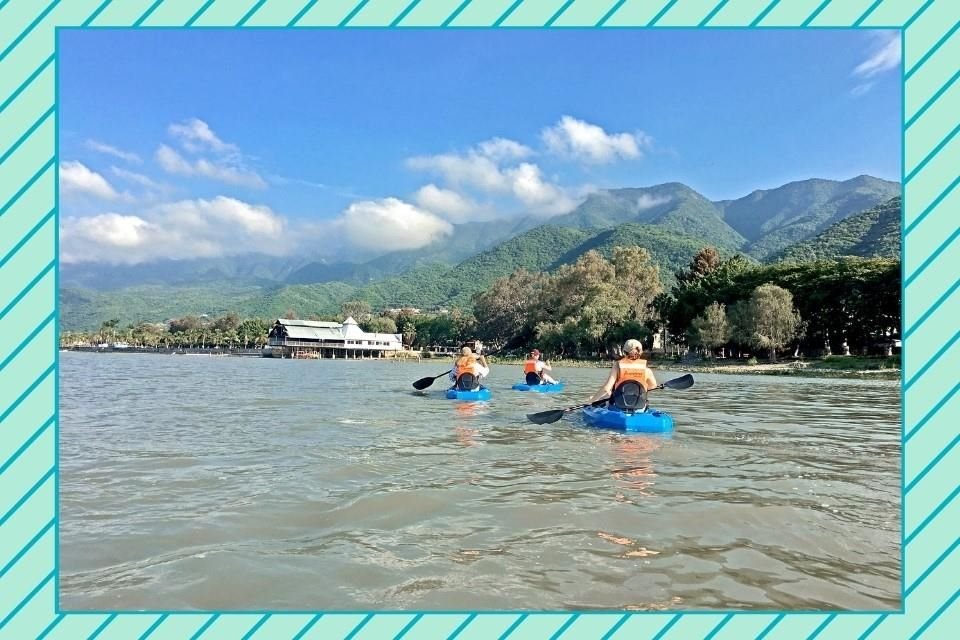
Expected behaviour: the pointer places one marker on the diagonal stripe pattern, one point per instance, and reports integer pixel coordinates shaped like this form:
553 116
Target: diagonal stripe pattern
31 612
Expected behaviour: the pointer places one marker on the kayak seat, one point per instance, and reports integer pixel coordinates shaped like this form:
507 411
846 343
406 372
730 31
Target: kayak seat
630 396
467 382
533 379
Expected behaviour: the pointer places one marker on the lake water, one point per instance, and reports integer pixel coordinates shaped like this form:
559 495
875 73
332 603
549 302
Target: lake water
197 482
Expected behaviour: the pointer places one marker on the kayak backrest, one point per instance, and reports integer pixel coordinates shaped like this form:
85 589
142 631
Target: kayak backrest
630 396
533 378
467 382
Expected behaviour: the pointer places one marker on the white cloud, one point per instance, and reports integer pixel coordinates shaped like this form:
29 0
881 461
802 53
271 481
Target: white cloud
589 143
390 225
76 177
453 206
540 196
138 178
173 162
646 201
472 169
479 167
491 169
504 149
884 56
113 151
195 135
176 230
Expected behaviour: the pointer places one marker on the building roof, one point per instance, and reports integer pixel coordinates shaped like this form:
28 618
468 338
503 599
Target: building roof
352 330
288 322
296 332
317 330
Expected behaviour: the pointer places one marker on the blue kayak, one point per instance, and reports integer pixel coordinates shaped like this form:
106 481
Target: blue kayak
540 388
480 394
649 421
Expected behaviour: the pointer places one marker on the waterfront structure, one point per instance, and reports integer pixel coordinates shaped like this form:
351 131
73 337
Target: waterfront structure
315 339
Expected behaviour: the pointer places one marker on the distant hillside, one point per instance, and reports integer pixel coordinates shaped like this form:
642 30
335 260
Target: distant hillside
671 220
467 239
249 269
773 219
874 233
672 206
543 248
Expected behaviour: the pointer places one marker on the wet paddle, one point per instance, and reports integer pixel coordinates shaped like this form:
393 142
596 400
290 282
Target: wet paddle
423 383
546 417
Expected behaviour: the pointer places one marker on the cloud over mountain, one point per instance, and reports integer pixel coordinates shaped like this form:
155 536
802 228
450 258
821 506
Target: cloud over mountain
589 143
186 229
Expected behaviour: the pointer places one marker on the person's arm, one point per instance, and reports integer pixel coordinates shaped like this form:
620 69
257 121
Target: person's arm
649 380
607 387
546 366
483 362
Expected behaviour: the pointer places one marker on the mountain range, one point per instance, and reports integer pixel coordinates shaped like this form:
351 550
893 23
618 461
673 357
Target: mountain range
871 233
672 220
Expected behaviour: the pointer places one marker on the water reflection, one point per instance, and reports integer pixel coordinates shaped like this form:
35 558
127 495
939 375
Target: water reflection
634 467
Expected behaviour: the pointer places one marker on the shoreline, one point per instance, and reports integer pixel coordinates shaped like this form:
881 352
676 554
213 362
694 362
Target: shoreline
873 369
854 368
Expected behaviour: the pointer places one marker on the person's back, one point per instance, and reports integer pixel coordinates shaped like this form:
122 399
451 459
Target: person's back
629 380
468 370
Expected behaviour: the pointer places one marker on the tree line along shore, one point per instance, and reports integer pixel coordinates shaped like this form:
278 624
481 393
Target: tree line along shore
837 314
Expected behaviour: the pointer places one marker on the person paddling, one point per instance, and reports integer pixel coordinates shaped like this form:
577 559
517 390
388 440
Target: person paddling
629 380
468 370
535 370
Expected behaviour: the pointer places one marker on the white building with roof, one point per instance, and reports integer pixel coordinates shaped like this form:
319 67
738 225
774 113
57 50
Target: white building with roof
315 339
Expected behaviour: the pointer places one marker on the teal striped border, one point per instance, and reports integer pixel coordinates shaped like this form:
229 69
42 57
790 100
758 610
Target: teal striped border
28 333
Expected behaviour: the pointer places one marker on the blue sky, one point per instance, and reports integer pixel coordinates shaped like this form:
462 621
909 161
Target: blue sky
183 143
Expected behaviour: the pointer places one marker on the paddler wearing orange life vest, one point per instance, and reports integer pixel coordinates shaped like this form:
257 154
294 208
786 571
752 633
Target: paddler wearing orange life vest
534 365
630 368
472 364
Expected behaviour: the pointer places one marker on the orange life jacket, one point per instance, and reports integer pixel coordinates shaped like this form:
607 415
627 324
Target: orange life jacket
530 366
635 370
467 364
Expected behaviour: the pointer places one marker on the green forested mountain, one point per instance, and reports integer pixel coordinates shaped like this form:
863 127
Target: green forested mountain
773 219
467 239
872 233
428 285
673 206
242 270
671 220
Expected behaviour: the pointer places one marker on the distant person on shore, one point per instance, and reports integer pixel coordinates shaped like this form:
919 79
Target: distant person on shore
629 380
468 370
535 370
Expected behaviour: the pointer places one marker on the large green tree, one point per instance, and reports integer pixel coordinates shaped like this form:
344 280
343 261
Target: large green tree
507 308
711 329
773 320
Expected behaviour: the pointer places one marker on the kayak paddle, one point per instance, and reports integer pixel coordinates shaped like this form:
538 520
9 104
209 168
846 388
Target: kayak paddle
423 383
683 382
546 417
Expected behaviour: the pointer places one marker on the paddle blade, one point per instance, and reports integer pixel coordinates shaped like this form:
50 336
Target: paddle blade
423 383
546 417
683 382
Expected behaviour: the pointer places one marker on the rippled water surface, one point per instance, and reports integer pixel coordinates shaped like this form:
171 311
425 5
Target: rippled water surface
197 482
